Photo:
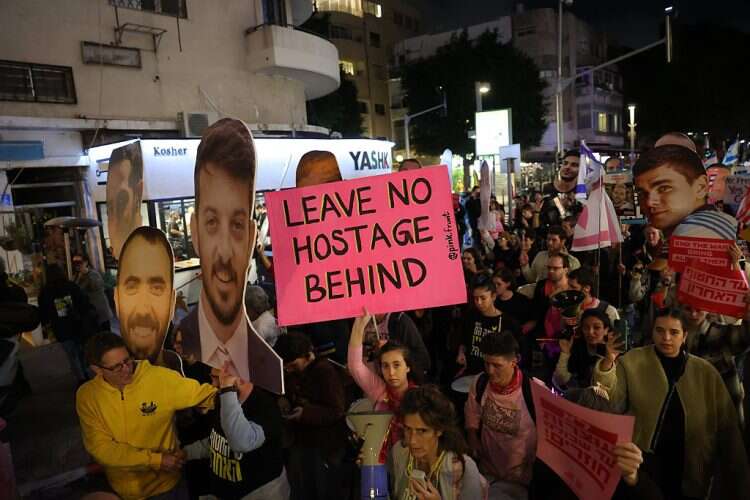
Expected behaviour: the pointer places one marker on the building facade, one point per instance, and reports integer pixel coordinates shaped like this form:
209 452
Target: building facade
80 73
592 107
365 33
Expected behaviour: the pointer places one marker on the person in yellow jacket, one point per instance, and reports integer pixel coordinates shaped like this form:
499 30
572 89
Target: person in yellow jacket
127 419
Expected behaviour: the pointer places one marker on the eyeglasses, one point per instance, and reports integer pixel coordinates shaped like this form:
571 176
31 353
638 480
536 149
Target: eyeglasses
119 366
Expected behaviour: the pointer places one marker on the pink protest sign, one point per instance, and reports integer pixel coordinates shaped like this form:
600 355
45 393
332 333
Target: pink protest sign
577 443
714 289
708 250
387 243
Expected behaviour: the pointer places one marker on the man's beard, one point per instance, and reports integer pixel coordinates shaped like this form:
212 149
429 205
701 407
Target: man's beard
216 298
569 178
146 324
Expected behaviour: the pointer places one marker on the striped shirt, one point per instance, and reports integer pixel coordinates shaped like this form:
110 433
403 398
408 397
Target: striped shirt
708 223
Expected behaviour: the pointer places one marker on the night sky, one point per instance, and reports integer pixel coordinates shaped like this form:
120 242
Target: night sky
629 22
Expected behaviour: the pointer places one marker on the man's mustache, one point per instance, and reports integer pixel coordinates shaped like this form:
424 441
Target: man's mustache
144 320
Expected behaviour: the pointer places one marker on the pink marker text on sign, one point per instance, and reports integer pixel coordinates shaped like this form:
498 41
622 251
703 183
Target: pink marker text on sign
385 243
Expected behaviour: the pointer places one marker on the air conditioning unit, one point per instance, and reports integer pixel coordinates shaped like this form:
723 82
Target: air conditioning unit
193 123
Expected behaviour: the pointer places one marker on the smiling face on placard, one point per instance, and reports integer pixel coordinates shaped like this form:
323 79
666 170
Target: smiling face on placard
144 295
223 235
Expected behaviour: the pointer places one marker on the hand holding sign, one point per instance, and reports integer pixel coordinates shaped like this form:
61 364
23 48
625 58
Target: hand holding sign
629 459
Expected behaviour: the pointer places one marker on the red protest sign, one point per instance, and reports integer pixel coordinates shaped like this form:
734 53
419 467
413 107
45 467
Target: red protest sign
577 443
714 289
708 250
387 243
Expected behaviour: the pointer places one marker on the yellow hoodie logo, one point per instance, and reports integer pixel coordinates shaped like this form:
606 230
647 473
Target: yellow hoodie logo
147 410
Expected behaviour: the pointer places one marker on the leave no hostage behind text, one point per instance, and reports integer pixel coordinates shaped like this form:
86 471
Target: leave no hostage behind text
360 237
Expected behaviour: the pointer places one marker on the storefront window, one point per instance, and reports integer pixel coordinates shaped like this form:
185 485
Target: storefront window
173 217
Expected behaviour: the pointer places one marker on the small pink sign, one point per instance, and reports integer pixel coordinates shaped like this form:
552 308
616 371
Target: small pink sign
385 243
713 289
577 443
709 250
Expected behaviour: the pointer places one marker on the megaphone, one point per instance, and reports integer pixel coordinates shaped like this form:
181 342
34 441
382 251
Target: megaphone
569 302
372 427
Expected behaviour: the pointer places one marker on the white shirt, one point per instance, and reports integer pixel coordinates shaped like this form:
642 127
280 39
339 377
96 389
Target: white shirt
215 353
266 326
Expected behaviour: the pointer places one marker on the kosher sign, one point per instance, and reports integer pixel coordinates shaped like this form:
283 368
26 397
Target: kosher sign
708 250
577 443
386 243
714 289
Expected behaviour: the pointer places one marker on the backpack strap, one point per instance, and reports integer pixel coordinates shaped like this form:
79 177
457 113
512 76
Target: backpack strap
528 399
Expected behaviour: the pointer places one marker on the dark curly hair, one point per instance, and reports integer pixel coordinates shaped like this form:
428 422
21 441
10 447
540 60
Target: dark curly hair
436 410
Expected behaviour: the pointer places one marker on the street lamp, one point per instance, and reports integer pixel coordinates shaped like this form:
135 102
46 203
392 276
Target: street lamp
631 133
481 88
558 94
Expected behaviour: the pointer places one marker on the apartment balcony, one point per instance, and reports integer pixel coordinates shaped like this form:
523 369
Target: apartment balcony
295 54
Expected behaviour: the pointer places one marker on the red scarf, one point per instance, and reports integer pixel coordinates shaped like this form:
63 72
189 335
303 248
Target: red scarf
396 429
513 386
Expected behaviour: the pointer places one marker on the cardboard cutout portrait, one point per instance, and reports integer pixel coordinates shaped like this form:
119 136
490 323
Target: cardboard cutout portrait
124 194
145 295
218 330
673 191
317 167
619 187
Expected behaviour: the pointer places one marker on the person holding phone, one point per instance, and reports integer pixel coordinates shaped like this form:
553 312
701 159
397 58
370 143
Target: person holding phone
432 461
579 354
685 420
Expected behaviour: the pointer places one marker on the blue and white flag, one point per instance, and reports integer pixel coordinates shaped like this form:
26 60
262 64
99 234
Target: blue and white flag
710 158
732 155
589 171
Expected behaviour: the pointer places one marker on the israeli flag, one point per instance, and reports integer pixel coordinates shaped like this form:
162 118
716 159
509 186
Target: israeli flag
732 155
589 171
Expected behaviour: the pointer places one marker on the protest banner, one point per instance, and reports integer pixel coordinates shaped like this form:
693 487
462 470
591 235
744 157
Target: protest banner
714 289
708 250
736 188
387 243
619 187
577 443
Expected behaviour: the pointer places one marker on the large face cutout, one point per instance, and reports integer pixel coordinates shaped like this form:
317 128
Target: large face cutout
145 295
124 194
223 235
667 197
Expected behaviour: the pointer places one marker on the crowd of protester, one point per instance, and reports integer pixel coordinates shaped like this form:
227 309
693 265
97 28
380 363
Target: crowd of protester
456 378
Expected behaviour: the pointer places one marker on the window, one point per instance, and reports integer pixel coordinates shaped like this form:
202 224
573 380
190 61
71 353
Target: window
398 18
175 8
380 109
372 8
173 218
21 81
547 73
601 122
353 7
374 39
362 107
94 53
347 67
341 32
